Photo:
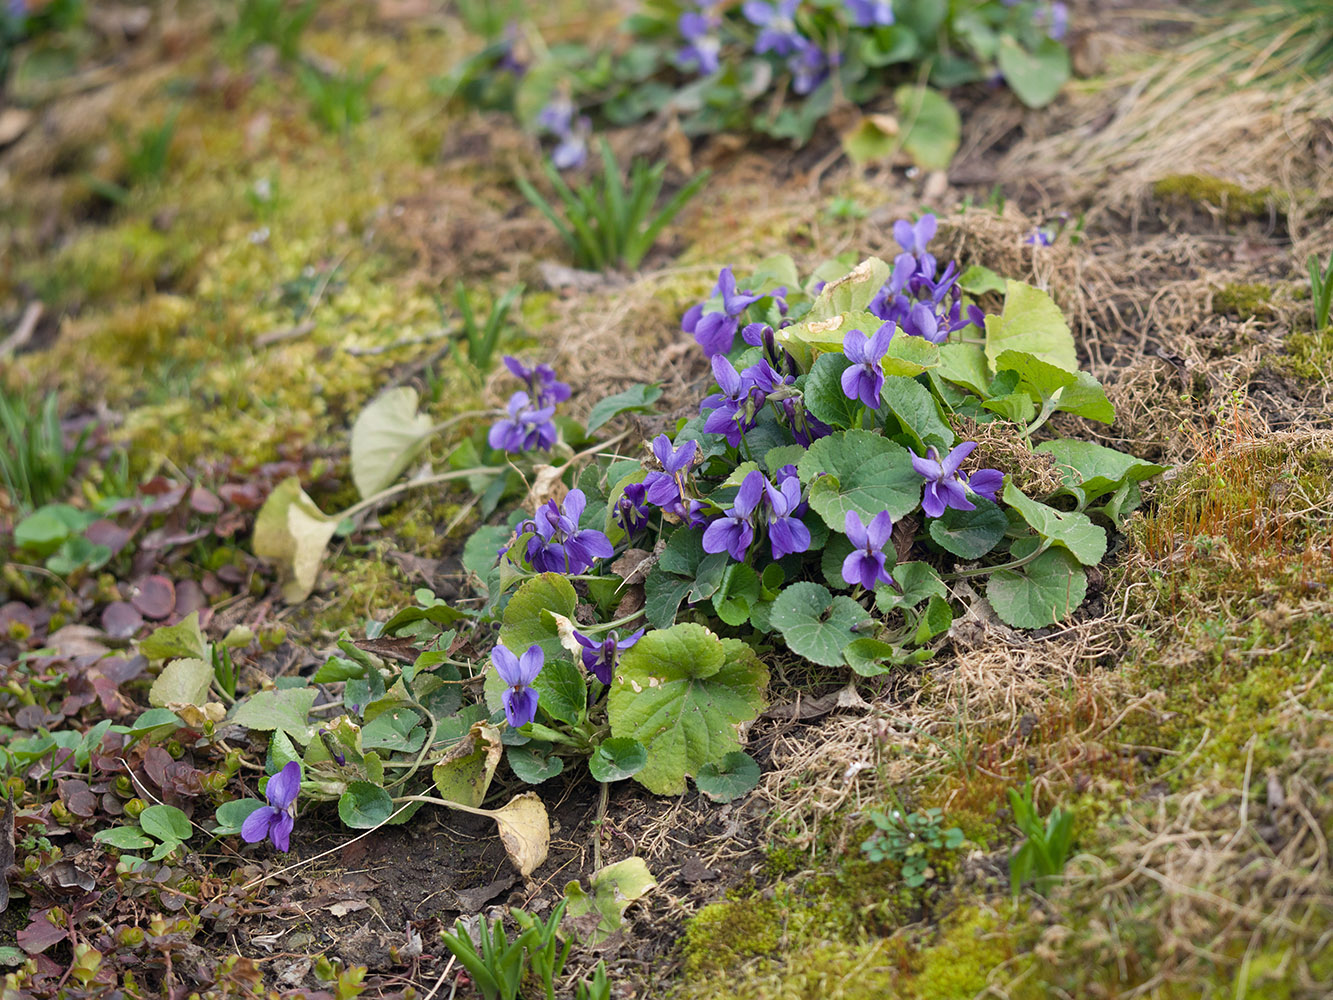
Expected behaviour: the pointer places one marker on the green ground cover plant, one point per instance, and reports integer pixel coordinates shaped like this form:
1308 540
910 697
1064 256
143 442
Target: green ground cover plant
775 68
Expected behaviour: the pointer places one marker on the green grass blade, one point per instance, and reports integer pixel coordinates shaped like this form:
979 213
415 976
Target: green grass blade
669 211
543 206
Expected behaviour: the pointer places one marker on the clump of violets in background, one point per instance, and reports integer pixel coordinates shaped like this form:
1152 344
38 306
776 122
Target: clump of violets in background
529 426
559 118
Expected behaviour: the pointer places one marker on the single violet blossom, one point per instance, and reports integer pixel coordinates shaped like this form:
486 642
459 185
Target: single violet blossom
808 65
786 533
557 544
715 331
631 510
914 238
527 428
733 532
703 47
663 489
864 378
777 26
870 13
945 487
276 820
600 656
518 673
864 565
734 407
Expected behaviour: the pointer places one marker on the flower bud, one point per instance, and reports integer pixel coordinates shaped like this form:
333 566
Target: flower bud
134 807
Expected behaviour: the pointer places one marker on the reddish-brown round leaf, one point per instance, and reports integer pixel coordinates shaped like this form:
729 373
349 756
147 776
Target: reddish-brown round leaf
205 501
155 597
121 619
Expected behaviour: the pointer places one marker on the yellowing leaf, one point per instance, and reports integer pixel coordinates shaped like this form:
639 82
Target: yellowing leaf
292 533
387 435
525 831
1031 322
464 774
182 682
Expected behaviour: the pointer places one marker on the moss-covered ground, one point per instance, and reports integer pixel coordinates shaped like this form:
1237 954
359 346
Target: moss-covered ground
237 308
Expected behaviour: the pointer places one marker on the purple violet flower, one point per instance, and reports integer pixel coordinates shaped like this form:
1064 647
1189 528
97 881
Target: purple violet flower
865 564
864 379
734 407
913 240
518 673
571 152
715 331
945 488
786 533
276 820
733 532
664 488
776 24
601 656
527 429
870 13
703 48
557 544
631 511
922 322
808 65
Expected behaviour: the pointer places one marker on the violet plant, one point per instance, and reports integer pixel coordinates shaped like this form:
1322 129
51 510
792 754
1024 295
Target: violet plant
819 504
775 67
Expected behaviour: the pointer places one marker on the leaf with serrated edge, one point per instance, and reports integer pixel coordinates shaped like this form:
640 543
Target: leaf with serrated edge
1075 531
182 682
682 692
1041 593
815 624
1031 322
868 474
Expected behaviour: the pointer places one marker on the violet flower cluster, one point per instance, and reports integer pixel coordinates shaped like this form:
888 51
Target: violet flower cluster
529 426
556 543
921 300
780 36
775 507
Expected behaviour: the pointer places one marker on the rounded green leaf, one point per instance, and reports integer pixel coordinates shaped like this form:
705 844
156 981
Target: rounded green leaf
918 411
617 758
165 823
682 692
1040 593
364 805
292 533
232 815
730 778
182 682
815 624
534 763
860 471
931 126
970 534
870 657
124 838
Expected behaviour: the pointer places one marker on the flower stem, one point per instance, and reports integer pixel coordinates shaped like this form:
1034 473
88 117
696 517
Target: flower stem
392 491
964 574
